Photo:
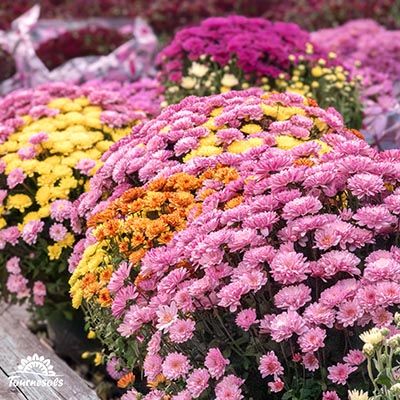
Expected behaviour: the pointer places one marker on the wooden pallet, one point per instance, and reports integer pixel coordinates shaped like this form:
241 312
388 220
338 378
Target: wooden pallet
16 343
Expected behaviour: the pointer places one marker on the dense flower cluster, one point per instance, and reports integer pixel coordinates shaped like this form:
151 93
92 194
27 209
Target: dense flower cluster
381 349
142 218
167 15
132 283
315 14
372 52
52 139
245 295
233 122
228 53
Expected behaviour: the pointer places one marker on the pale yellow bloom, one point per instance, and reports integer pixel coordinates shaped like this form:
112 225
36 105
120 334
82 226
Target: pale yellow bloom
229 80
373 336
198 69
358 395
188 82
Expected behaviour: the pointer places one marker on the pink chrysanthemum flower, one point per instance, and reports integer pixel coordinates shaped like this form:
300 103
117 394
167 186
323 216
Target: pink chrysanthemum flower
85 166
12 265
365 184
312 340
229 388
15 177
181 330
152 366
57 232
340 372
175 366
197 382
300 207
293 297
215 363
26 153
330 396
276 386
167 315
270 365
289 267
118 277
284 325
246 318
31 230
310 362
354 358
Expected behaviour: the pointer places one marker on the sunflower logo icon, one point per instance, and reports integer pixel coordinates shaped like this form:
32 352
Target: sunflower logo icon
36 365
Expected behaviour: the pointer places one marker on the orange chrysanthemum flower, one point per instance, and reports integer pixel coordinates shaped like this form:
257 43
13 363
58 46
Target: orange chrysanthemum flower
126 380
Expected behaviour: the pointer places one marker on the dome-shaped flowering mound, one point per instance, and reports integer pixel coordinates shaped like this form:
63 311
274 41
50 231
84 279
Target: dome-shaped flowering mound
237 52
135 220
138 220
204 127
52 139
276 274
373 53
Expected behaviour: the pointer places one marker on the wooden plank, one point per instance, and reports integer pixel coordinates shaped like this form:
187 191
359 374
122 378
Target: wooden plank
16 343
6 392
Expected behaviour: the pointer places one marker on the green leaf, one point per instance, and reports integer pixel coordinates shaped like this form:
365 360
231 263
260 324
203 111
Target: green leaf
383 379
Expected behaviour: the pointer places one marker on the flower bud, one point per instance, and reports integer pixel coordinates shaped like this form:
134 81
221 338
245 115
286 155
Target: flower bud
368 349
394 341
395 389
397 319
385 331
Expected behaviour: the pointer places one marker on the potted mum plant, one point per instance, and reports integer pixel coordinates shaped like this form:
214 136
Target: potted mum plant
52 140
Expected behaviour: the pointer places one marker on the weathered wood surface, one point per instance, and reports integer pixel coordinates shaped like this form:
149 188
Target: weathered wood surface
16 343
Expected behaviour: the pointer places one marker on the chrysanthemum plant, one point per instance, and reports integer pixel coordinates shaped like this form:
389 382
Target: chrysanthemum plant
249 256
237 52
52 140
382 350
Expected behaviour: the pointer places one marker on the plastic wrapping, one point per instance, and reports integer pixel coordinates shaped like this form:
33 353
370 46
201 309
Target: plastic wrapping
28 35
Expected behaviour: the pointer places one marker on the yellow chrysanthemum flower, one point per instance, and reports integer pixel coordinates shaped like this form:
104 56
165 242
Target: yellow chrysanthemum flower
240 146
19 201
54 251
251 129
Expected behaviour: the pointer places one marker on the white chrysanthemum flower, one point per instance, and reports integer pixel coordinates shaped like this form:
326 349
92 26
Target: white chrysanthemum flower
373 336
188 82
198 69
229 80
358 395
